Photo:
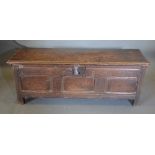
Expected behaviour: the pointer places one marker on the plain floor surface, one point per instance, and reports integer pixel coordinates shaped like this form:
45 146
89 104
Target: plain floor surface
8 102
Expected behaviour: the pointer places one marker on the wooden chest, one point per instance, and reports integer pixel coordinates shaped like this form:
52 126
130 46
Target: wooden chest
78 73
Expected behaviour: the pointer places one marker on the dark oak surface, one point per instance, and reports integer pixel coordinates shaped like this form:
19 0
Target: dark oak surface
78 73
78 56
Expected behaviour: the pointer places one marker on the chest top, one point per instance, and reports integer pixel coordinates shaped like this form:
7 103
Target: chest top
78 56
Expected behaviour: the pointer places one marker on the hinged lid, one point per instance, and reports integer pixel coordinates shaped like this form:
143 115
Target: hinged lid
78 56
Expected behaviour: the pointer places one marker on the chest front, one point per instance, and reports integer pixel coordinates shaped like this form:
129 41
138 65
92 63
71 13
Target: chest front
83 80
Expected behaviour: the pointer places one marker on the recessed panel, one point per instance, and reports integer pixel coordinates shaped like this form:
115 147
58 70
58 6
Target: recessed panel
122 85
35 83
78 84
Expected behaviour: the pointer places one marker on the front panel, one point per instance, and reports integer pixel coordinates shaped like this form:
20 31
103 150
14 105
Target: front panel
122 85
78 84
83 80
35 83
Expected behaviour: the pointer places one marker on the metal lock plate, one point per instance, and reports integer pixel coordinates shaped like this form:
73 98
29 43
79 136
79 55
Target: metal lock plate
79 70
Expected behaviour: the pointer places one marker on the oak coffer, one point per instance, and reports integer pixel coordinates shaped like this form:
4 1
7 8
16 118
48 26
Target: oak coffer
78 73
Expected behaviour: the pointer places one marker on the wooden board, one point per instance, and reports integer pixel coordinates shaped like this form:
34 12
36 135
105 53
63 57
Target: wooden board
78 56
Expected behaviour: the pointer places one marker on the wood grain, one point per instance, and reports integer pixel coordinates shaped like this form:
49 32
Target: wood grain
78 56
101 73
